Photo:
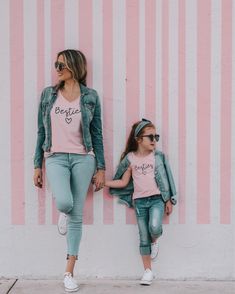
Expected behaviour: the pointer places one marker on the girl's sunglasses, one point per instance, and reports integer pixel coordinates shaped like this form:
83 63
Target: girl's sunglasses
152 137
60 66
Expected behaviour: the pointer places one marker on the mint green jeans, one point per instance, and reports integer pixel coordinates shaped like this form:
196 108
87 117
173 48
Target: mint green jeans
69 177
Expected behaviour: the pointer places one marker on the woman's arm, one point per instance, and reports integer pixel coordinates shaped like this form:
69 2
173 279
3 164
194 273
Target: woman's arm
120 183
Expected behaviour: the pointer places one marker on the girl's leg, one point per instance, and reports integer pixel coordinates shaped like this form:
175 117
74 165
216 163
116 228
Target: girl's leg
156 213
142 216
146 259
82 170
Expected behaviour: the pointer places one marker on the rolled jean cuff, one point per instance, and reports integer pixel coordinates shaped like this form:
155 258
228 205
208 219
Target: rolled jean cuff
145 250
68 255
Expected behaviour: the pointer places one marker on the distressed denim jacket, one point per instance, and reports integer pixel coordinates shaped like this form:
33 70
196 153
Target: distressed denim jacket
90 121
163 177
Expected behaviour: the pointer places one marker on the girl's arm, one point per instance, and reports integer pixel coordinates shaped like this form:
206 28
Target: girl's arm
120 183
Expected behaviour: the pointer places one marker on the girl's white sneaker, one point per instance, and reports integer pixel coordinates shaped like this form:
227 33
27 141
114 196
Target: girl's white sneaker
147 277
70 285
62 223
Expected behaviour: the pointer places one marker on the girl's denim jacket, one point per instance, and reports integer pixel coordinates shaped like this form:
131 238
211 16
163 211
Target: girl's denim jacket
163 177
90 121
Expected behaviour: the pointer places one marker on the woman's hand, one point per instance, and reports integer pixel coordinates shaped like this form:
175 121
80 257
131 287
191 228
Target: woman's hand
99 179
168 207
37 178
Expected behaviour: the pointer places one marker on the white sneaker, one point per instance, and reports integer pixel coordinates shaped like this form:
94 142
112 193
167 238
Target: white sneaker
154 251
62 223
70 285
147 277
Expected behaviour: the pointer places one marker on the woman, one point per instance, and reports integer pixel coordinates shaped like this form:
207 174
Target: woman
70 139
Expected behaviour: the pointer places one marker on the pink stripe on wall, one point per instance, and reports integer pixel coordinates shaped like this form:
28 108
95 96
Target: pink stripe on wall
165 80
57 44
86 46
182 113
85 34
226 109
108 102
203 109
17 112
132 73
150 59
40 85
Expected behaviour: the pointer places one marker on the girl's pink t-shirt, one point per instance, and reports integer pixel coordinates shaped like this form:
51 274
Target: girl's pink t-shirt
66 126
143 175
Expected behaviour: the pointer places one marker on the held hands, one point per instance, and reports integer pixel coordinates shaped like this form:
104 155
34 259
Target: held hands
168 207
99 179
37 178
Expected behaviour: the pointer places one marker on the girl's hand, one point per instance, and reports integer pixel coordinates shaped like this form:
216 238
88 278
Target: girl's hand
99 179
37 178
168 207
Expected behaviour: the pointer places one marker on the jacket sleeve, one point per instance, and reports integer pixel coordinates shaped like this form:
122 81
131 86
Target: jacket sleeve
124 194
38 156
170 180
97 136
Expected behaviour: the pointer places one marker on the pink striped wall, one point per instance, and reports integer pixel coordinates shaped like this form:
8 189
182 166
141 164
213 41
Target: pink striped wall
40 84
134 44
86 45
203 110
226 112
108 102
17 111
132 73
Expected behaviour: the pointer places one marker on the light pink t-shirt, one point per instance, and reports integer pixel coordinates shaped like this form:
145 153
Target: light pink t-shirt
66 126
143 175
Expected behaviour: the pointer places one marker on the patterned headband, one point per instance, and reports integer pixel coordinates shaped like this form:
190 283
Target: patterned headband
141 125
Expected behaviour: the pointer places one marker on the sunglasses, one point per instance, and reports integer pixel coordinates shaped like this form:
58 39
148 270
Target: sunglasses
152 137
60 66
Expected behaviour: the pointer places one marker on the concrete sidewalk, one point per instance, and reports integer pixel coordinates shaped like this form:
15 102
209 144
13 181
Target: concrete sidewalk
103 286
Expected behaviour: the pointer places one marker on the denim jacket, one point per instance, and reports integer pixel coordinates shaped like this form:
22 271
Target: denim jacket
163 177
90 121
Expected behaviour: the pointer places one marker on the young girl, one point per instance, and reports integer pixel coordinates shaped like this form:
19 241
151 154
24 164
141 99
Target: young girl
144 180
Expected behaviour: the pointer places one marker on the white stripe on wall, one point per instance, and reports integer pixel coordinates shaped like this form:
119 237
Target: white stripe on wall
191 189
71 24
97 70
30 106
142 58
119 93
215 109
47 24
5 144
47 42
173 96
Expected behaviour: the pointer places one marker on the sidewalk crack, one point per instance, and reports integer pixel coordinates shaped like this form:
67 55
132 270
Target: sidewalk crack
12 286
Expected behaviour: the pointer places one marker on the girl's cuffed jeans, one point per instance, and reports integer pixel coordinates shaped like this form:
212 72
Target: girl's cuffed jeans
69 177
149 214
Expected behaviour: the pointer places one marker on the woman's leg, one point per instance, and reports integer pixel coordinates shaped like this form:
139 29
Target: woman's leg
58 175
82 170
